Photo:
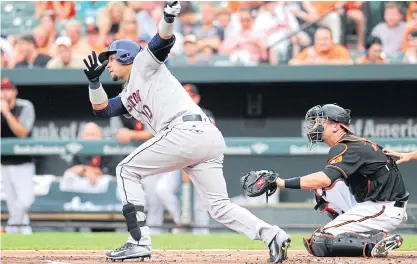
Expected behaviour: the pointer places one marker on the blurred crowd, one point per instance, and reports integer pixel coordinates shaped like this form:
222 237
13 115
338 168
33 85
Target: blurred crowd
217 33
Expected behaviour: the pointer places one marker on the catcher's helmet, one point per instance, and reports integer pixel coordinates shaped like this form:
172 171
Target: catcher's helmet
328 112
125 50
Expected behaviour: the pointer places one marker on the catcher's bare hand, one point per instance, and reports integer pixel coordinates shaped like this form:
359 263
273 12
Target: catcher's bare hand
280 182
256 183
402 157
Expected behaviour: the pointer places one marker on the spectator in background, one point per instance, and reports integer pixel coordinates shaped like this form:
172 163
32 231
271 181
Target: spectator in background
42 41
410 54
47 22
87 10
115 12
410 26
80 46
187 17
236 6
6 52
191 52
26 47
411 7
208 35
93 39
374 54
354 12
391 31
17 119
324 51
277 22
105 37
318 9
247 45
145 16
64 57
61 10
86 171
128 28
227 21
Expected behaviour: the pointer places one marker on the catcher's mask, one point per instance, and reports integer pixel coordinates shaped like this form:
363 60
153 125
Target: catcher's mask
318 115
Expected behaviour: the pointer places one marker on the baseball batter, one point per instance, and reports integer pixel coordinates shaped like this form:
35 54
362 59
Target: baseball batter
184 138
373 179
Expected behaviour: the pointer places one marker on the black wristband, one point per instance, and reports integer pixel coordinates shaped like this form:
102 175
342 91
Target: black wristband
169 19
293 183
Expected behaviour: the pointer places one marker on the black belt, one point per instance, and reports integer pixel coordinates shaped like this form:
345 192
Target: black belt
379 173
401 203
187 118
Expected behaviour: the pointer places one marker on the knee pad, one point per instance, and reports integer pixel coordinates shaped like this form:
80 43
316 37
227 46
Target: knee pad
133 225
323 244
323 206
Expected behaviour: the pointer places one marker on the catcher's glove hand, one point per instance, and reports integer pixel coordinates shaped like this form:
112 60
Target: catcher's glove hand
256 183
172 9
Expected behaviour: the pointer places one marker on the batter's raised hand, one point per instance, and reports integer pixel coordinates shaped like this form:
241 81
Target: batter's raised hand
94 70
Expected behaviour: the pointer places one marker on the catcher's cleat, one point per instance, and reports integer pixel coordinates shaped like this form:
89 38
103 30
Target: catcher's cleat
381 249
278 249
130 251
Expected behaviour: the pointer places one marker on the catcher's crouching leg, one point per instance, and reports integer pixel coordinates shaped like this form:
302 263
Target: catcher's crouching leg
322 244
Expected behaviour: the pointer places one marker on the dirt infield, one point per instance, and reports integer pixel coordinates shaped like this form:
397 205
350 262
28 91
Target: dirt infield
191 256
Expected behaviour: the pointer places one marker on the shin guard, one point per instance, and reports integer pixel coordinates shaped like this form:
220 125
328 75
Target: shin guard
133 225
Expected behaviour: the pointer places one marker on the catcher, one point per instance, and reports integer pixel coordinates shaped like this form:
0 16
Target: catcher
373 179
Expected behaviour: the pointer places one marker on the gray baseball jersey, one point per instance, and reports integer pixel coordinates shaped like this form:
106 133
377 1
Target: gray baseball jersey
153 95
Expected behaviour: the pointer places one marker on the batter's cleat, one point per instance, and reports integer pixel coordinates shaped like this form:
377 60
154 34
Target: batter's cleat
381 249
130 251
278 249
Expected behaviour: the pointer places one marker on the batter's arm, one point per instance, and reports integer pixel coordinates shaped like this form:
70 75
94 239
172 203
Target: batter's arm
110 108
150 60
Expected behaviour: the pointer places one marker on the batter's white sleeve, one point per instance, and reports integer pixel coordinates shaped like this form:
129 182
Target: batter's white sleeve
146 64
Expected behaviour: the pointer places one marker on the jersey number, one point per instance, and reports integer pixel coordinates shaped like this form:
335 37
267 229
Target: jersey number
133 100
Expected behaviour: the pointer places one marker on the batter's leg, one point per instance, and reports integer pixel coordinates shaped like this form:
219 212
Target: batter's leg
158 155
154 206
210 184
166 190
201 215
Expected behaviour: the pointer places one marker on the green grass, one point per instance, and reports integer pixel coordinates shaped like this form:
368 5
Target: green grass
75 241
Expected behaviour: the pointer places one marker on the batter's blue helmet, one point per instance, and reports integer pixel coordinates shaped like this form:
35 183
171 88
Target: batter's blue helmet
125 50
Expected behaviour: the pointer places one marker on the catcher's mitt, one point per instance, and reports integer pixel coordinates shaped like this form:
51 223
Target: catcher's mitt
256 183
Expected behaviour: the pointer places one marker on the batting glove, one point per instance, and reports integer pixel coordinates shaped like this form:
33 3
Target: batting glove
94 70
171 10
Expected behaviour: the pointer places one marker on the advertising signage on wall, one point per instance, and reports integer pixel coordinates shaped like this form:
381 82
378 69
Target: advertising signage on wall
363 127
392 128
